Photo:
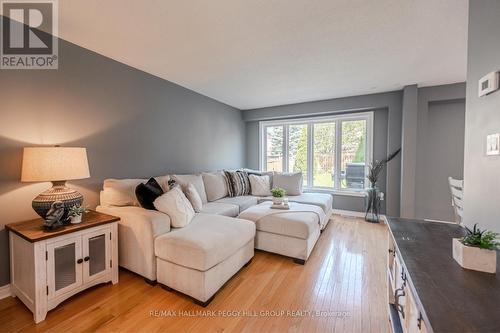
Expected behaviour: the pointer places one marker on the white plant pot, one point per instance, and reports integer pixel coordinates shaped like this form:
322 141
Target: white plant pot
277 201
474 258
76 219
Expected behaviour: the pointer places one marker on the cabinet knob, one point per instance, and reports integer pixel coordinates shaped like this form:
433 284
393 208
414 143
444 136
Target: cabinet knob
87 258
79 261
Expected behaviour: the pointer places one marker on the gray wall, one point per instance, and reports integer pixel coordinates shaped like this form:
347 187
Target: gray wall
409 137
432 140
423 121
132 123
442 157
387 137
482 173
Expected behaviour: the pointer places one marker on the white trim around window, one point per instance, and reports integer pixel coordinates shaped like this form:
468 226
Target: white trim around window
310 121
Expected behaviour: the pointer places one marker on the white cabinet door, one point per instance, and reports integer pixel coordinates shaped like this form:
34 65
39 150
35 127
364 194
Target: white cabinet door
96 254
400 292
415 323
64 266
391 268
412 312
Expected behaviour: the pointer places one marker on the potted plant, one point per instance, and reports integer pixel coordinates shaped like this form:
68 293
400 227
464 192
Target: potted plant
75 213
373 195
477 250
278 195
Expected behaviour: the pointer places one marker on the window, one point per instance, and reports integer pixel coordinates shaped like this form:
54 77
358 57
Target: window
353 162
324 154
298 149
274 148
331 152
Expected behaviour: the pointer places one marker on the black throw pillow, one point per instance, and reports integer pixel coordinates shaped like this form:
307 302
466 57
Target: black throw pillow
147 193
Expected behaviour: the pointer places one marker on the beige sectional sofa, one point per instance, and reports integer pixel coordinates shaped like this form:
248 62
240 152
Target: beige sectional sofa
194 260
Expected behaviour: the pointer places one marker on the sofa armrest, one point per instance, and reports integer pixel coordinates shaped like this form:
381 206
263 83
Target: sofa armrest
158 222
137 230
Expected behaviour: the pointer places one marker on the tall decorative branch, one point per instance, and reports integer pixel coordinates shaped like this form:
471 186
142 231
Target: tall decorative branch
376 167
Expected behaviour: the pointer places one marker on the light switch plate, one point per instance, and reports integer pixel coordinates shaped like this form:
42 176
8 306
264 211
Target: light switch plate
493 144
488 84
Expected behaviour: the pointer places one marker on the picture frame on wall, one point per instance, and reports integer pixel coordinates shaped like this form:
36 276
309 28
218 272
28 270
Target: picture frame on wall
493 144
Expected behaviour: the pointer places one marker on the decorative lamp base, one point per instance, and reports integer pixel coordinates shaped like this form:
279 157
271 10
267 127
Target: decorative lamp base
59 192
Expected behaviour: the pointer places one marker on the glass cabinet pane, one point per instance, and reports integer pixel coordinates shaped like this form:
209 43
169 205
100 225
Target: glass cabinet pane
97 254
64 266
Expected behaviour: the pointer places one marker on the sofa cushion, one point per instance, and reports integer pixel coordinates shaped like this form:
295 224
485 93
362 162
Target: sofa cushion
220 208
261 185
290 182
260 173
121 192
205 242
196 180
215 185
175 204
193 197
146 193
237 183
243 201
323 200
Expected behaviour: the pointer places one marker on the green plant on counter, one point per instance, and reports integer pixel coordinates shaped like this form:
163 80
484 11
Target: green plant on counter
278 192
483 239
77 210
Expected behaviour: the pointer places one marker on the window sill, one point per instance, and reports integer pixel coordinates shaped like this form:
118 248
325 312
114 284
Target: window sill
347 193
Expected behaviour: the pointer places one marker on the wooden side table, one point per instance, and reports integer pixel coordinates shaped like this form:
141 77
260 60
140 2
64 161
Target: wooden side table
47 267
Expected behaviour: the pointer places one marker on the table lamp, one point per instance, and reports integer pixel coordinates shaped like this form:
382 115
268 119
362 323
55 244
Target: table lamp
57 165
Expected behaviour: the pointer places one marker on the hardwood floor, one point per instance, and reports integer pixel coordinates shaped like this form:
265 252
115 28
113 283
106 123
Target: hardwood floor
344 277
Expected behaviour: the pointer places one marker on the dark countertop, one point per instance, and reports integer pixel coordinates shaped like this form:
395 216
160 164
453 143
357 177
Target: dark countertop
454 299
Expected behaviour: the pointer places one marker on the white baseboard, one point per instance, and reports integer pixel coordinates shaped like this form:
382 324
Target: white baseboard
348 213
440 221
5 291
351 213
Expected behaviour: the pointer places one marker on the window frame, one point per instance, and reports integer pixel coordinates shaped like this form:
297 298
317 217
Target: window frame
310 121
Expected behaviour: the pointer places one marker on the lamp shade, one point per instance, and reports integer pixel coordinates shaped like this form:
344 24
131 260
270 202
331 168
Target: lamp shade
54 164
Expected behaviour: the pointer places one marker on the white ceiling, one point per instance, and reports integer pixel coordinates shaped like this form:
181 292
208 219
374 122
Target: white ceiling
257 53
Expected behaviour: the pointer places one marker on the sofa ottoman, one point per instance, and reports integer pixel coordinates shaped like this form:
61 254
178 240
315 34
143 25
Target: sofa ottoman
323 200
199 259
292 233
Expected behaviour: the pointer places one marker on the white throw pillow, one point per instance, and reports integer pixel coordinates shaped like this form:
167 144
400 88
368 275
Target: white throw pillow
193 197
290 182
215 185
196 180
175 204
260 173
261 185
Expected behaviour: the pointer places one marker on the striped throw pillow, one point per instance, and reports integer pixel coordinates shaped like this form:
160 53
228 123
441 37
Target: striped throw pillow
237 183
